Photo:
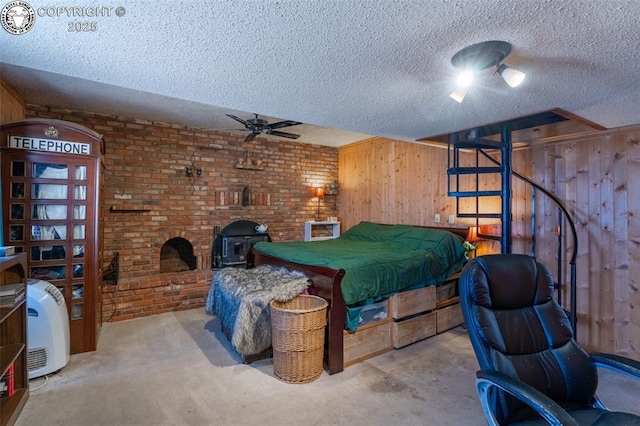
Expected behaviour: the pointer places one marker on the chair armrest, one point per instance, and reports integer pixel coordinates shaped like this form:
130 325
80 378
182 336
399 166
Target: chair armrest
617 363
553 413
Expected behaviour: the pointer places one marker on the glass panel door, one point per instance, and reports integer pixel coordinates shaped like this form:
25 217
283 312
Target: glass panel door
48 217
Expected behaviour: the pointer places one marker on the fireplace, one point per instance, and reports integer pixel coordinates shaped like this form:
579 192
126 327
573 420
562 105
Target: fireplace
232 243
176 255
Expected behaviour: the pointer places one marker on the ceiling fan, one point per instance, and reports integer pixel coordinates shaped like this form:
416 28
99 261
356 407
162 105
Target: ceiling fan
258 125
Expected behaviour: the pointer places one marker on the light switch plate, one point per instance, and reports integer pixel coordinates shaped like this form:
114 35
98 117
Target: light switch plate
452 219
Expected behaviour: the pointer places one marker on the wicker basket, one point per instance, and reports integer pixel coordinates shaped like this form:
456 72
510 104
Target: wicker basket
297 337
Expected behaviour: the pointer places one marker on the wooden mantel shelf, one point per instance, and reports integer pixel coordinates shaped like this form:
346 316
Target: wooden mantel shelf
248 167
129 209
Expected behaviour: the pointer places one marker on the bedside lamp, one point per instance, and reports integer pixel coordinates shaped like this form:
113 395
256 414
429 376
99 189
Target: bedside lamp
318 192
473 238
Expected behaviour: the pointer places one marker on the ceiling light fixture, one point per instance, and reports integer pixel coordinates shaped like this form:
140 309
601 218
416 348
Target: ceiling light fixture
512 76
481 56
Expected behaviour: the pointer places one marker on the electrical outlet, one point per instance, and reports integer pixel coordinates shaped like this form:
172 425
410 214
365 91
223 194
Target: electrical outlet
452 219
437 218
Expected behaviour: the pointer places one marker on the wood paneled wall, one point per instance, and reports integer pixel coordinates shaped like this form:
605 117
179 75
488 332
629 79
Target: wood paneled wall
390 181
11 105
597 177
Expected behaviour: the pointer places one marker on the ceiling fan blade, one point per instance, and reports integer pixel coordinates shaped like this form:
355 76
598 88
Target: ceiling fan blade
281 124
284 134
250 137
237 119
247 124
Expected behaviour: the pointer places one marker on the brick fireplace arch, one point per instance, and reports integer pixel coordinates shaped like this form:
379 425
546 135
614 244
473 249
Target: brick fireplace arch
176 237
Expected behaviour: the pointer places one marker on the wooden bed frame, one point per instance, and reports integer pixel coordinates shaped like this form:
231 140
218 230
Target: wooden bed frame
326 283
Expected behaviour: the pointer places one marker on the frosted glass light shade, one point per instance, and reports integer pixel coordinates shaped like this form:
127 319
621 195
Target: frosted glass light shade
512 76
458 95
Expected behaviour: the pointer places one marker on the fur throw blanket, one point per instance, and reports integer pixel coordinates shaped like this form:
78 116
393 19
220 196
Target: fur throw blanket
240 299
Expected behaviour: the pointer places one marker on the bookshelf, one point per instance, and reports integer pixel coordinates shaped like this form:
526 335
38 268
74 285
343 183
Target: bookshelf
13 338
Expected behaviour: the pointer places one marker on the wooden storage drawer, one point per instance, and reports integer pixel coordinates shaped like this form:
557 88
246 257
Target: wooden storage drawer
413 302
370 340
446 291
448 317
411 330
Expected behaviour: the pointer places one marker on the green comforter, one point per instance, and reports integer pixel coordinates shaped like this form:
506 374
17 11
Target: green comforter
379 260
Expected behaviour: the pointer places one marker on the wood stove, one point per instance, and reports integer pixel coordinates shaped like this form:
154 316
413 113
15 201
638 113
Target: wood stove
231 244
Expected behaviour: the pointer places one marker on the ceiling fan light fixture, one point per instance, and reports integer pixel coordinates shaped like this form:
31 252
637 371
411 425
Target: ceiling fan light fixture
458 95
512 76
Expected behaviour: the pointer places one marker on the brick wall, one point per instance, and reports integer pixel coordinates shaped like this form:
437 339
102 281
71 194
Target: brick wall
148 199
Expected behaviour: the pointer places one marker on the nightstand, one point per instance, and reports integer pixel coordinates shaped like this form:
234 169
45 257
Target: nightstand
308 230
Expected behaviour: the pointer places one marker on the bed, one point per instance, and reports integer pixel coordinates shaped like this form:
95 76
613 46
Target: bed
368 262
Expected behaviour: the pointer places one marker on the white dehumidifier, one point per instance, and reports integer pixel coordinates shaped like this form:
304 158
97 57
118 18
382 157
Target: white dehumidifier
48 338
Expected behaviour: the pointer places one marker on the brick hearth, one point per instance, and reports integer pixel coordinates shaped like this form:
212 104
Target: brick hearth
156 294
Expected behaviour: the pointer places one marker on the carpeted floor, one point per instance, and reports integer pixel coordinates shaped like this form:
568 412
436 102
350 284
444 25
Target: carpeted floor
178 369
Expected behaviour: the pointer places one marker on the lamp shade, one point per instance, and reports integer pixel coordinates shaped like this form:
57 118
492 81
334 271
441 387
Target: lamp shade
318 192
512 76
472 235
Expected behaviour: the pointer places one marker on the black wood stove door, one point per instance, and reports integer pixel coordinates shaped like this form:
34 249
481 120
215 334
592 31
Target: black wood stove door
231 245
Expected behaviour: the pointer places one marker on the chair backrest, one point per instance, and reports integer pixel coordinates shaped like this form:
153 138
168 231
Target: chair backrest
517 328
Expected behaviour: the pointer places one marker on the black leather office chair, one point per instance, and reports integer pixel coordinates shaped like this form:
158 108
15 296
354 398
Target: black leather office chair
532 371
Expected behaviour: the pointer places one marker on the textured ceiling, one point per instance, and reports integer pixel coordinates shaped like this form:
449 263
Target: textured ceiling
347 69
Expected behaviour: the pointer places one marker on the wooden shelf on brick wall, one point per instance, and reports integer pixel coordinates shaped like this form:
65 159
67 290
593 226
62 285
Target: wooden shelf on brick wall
232 199
247 163
129 209
249 167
